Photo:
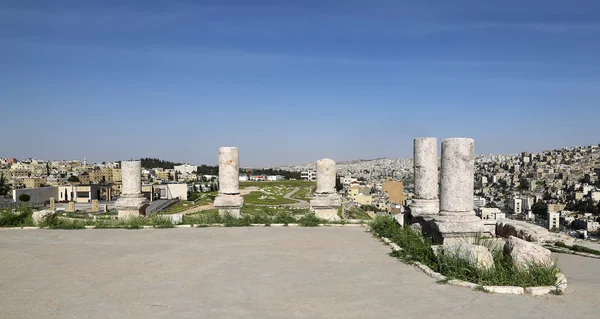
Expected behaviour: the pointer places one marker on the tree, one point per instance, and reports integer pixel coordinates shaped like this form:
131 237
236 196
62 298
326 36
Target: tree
4 187
73 179
24 198
338 183
540 209
524 184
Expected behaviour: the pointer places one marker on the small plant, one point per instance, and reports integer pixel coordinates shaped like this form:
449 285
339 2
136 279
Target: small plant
556 292
309 220
481 288
443 281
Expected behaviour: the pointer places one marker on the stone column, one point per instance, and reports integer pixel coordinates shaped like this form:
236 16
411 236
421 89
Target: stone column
326 200
131 203
457 219
52 204
425 203
71 207
94 206
229 201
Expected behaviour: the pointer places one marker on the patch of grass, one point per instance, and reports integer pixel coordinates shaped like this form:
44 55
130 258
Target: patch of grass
62 223
309 220
504 272
258 197
481 288
556 292
583 249
21 218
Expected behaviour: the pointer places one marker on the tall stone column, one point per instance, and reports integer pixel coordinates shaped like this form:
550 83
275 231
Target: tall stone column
425 204
326 200
132 202
457 219
229 201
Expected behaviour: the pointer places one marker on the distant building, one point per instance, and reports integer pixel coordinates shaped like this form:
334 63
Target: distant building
243 178
186 169
395 191
479 201
309 175
516 205
275 177
553 222
491 213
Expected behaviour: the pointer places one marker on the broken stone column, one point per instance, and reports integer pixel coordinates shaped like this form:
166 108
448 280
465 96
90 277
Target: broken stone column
132 202
326 201
425 204
94 206
229 201
457 219
71 207
52 204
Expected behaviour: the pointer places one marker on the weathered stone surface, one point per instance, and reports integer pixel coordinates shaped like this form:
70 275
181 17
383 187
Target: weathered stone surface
94 205
71 207
52 204
326 175
39 216
326 206
229 204
478 256
424 207
524 254
457 176
229 170
426 168
462 283
529 232
539 291
131 206
511 290
131 174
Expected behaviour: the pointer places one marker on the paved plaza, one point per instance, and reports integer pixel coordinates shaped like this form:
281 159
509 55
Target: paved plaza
266 272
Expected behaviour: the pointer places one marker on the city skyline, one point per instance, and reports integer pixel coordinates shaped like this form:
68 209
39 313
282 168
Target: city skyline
290 83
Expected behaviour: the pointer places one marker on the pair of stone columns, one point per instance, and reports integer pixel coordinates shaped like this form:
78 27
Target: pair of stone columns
132 202
452 216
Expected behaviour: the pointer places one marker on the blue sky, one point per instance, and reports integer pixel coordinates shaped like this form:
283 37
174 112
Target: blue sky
294 81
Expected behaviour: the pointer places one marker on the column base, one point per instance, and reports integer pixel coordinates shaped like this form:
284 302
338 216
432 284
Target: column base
131 206
326 206
464 227
229 204
425 209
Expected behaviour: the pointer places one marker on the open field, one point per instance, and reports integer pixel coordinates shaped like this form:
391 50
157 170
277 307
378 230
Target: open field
243 272
273 193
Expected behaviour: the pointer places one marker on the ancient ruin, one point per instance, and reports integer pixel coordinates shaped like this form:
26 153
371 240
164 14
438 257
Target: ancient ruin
456 219
425 204
229 201
326 201
132 202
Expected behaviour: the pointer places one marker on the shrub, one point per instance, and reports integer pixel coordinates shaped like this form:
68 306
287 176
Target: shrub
24 198
583 249
16 219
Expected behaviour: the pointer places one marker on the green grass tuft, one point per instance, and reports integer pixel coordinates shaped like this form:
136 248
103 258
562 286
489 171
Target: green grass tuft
504 272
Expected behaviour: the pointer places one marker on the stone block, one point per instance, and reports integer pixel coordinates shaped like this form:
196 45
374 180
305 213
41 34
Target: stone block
131 206
52 204
511 290
478 256
529 232
41 215
326 206
539 291
229 204
175 219
524 254
71 208
94 206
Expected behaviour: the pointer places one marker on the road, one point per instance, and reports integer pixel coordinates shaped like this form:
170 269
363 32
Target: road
267 272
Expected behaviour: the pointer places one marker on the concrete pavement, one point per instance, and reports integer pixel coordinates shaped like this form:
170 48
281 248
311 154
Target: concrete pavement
248 273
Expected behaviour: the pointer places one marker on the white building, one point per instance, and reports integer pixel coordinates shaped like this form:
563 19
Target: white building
492 213
347 180
515 204
309 175
186 169
275 177
243 178
553 220
479 201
